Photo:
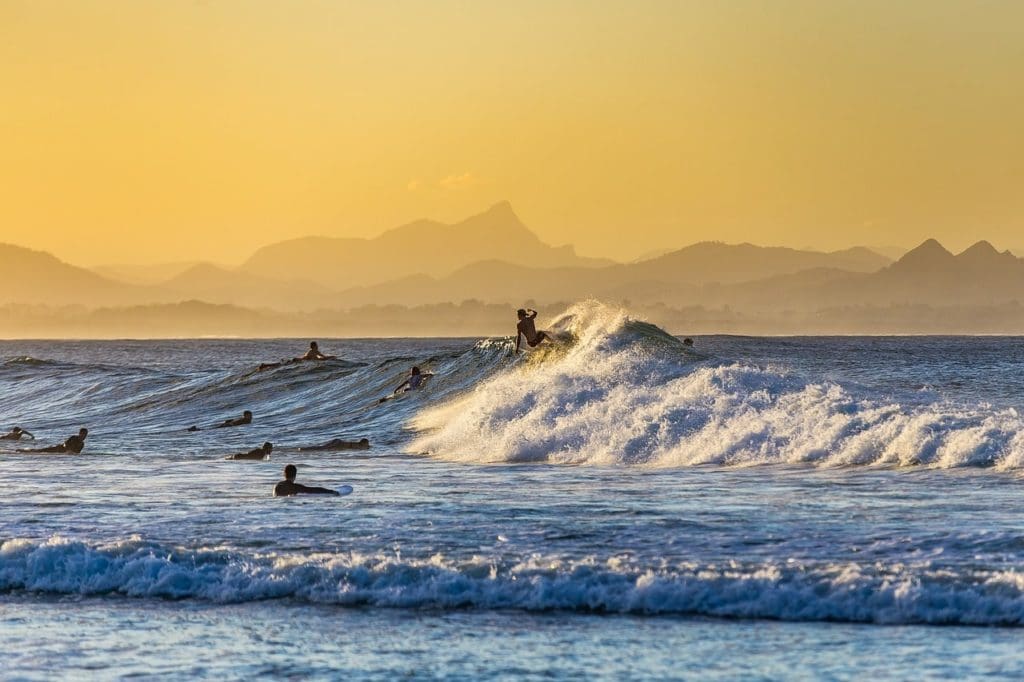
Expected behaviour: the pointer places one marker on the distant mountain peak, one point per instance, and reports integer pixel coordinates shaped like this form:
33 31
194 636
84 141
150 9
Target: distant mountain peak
980 249
928 251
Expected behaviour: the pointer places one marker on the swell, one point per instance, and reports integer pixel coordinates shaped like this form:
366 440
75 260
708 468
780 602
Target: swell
627 394
897 593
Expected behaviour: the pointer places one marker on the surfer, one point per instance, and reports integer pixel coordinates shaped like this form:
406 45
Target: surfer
258 453
246 418
687 342
415 381
527 327
289 487
16 434
314 354
339 444
73 445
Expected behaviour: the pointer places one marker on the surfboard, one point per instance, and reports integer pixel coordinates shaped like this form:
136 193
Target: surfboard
345 490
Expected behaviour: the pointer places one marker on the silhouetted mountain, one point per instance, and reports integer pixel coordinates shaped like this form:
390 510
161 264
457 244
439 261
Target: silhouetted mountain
422 247
677 278
28 276
144 275
707 262
218 285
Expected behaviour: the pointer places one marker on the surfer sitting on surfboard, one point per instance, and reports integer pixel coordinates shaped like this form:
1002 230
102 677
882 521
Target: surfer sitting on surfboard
289 487
527 327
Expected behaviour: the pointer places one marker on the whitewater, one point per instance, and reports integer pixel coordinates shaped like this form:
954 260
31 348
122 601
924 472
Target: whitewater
618 504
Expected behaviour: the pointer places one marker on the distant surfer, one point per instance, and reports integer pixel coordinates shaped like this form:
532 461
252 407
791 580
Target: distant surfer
339 444
527 327
246 418
73 445
258 453
688 342
289 487
415 381
17 433
314 354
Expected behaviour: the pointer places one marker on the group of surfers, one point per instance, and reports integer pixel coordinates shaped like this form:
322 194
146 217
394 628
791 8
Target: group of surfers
526 328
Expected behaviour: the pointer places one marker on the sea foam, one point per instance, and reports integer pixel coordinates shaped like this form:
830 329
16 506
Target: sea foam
626 393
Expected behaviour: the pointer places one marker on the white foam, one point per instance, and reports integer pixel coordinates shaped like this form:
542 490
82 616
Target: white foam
872 592
628 394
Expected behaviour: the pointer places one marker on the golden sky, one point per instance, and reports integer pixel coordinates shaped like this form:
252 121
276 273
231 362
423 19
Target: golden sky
161 130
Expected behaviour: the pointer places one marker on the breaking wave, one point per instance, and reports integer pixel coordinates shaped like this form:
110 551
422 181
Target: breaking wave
624 392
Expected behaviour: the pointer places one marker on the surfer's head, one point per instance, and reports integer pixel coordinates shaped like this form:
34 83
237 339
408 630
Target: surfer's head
415 370
521 313
289 472
82 433
247 414
17 429
312 344
267 447
364 441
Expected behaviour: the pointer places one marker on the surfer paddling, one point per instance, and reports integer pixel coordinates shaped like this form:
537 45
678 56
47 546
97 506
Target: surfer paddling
311 355
289 487
246 418
258 453
73 445
339 444
527 327
17 433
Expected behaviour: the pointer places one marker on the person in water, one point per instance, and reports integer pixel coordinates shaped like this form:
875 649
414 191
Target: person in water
339 444
289 487
314 353
687 341
246 418
258 453
414 382
73 445
17 433
527 327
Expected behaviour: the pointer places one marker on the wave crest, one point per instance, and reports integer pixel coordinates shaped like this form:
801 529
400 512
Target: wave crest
627 393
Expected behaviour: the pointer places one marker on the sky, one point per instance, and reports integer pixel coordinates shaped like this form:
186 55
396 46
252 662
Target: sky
139 131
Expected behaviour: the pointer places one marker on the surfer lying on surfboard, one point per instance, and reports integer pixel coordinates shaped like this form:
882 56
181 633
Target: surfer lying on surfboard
414 382
258 453
527 327
339 444
289 487
73 445
313 354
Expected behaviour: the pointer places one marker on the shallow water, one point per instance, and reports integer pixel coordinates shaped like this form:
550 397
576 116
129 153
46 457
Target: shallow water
804 507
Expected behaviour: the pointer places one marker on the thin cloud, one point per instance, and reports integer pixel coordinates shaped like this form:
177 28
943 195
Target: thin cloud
464 181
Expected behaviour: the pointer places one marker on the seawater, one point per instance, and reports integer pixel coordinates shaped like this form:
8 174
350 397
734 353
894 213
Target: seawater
619 506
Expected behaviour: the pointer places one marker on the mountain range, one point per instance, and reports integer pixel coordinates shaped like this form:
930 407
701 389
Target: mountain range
494 258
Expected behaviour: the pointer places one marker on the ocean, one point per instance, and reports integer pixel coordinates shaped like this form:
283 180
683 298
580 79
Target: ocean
617 506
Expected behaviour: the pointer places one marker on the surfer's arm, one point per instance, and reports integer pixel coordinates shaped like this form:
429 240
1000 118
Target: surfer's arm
26 433
401 386
531 314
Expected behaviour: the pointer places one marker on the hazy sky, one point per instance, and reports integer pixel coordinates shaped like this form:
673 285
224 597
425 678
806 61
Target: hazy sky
149 130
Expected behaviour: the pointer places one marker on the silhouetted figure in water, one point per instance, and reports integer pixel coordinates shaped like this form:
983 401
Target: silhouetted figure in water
415 381
314 353
527 327
73 445
17 433
258 453
289 487
339 444
246 418
687 342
